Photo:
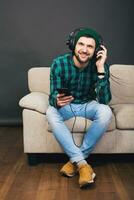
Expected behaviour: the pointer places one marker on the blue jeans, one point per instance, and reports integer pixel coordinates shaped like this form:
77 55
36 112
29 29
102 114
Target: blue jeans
100 115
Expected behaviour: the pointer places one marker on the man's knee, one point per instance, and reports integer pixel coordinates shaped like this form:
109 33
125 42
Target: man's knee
105 112
53 115
48 113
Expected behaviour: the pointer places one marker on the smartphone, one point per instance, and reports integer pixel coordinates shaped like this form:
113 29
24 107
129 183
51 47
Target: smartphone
64 91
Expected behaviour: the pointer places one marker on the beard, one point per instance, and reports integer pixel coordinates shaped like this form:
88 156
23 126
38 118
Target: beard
81 61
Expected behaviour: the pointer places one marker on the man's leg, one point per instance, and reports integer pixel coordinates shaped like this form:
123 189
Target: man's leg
56 120
100 115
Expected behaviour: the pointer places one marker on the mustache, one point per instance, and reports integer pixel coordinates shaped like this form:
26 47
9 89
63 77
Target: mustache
84 53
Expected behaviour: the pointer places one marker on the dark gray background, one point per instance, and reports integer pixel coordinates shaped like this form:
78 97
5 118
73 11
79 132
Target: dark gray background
33 32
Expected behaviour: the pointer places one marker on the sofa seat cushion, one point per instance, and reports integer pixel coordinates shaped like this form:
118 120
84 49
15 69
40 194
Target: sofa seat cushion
124 116
35 101
80 124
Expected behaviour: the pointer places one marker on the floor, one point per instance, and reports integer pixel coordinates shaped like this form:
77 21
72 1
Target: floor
19 181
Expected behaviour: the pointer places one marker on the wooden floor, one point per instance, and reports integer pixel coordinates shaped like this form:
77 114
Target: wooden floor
18 181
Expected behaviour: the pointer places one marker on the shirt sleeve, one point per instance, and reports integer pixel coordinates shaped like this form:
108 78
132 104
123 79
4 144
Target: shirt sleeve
103 92
55 82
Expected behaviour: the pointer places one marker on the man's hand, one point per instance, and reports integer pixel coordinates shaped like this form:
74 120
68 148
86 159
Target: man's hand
101 59
63 100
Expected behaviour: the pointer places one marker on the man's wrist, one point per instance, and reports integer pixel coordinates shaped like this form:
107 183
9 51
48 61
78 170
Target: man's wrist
101 72
100 68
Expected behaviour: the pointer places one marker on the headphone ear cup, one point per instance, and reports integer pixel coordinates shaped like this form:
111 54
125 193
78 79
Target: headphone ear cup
71 40
99 45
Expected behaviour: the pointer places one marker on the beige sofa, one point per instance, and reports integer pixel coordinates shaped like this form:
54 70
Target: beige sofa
119 137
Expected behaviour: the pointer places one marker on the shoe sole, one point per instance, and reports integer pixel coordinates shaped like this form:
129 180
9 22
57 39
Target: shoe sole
67 175
83 185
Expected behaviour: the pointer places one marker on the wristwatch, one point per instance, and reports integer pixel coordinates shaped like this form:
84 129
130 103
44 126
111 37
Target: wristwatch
101 73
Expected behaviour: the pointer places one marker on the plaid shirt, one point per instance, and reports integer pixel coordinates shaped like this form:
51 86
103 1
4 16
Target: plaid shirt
83 84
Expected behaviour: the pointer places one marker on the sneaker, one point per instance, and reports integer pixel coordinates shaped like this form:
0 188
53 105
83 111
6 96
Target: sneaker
68 169
86 175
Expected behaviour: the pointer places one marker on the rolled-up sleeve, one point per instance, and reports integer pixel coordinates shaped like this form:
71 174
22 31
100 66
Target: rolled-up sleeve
103 92
55 82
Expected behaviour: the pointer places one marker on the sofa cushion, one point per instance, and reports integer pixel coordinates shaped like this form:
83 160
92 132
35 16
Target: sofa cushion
80 123
122 84
124 116
39 79
35 101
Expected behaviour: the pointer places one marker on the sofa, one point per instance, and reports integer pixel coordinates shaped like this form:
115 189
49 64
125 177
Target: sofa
37 135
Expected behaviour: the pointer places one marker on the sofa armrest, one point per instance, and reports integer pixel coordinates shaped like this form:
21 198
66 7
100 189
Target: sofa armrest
35 101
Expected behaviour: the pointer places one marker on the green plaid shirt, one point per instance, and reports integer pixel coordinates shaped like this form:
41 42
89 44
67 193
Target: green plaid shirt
83 84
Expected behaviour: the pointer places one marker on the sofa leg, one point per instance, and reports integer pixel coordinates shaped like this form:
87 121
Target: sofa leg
32 159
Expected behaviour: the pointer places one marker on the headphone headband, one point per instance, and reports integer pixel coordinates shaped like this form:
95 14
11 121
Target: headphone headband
72 36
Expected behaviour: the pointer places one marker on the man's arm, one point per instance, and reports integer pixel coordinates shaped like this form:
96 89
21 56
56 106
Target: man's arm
103 92
56 81
103 84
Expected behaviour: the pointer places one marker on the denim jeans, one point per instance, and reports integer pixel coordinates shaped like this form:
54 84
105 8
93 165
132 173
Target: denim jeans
100 115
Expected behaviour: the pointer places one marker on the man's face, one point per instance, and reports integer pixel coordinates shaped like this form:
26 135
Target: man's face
84 49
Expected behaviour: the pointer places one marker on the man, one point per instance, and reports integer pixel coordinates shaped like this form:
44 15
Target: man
86 75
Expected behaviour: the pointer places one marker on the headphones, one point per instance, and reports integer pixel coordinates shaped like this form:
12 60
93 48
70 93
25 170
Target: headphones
71 40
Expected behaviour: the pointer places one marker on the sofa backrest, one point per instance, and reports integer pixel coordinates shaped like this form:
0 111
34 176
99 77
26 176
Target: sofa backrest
39 80
121 82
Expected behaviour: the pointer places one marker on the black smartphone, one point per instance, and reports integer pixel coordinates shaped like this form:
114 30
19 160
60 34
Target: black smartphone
64 91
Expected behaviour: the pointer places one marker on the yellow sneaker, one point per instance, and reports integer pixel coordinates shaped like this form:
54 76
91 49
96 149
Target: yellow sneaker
86 175
68 169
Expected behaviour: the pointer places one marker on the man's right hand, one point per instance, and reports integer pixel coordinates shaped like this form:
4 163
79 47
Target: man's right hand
63 100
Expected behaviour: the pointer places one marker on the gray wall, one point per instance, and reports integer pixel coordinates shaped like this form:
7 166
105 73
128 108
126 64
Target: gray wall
33 32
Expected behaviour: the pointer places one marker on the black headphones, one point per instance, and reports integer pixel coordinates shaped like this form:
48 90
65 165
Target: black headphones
71 40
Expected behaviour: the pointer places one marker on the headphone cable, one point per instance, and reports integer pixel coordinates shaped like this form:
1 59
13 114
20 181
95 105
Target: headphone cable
72 131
